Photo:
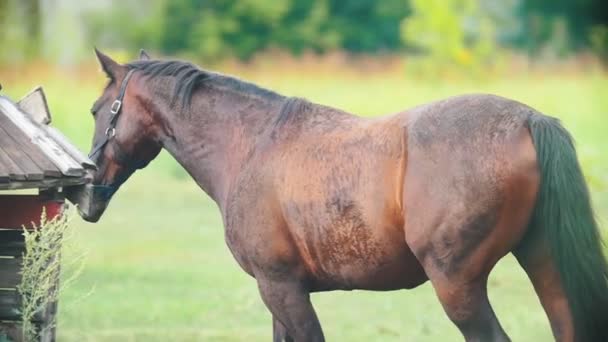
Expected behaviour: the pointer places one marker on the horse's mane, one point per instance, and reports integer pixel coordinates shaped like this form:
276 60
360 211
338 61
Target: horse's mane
189 78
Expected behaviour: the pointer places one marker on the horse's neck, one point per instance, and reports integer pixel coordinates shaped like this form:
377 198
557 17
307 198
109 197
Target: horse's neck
212 141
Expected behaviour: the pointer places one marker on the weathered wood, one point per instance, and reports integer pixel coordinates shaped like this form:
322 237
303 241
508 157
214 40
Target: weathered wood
4 173
14 172
34 104
28 146
10 307
10 304
12 330
47 320
10 272
26 149
11 242
82 196
69 148
51 149
19 210
44 183
31 171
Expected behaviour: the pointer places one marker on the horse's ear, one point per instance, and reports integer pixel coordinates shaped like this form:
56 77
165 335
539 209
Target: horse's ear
143 55
109 66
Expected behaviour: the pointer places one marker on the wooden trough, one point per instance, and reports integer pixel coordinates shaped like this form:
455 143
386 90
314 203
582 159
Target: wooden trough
34 156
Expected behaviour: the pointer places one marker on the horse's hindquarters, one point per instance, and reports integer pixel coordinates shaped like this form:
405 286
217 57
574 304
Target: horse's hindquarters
467 204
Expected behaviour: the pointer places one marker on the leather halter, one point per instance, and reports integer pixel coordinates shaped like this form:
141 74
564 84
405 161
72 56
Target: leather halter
114 113
106 191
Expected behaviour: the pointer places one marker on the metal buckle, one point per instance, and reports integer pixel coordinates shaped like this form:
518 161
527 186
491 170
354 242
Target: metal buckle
110 132
115 108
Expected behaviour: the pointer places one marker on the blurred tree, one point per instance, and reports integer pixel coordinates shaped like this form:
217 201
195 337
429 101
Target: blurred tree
32 20
451 33
239 28
218 28
305 26
127 23
4 8
549 21
364 26
19 29
463 31
598 38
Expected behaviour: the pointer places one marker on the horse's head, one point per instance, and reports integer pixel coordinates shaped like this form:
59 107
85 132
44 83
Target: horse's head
125 138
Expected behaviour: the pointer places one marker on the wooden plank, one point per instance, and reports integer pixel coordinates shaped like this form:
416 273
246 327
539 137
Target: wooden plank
11 242
34 104
14 151
10 304
48 326
10 272
27 146
14 172
81 196
49 147
70 149
21 210
10 307
5 173
12 330
44 183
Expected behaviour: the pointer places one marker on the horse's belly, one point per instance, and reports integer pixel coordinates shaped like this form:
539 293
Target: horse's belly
364 262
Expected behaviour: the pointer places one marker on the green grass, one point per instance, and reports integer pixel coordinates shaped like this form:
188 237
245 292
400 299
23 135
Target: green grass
158 268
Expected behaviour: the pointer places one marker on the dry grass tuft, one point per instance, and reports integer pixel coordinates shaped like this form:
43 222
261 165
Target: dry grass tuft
40 285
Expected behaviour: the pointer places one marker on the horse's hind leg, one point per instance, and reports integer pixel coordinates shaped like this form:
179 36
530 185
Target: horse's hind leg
458 259
279 332
466 303
290 303
536 260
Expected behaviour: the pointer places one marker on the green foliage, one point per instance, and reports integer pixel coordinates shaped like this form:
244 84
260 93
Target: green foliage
542 17
219 28
215 29
451 33
126 23
598 38
19 30
367 25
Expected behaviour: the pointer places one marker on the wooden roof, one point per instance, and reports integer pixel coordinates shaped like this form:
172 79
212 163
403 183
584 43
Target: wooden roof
32 153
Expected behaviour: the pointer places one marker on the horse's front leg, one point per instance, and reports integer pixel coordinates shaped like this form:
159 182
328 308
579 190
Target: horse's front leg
279 332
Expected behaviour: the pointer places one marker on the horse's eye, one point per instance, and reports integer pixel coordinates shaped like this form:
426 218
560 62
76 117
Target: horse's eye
93 111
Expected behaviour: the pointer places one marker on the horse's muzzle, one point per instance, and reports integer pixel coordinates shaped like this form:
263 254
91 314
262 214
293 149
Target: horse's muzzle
91 200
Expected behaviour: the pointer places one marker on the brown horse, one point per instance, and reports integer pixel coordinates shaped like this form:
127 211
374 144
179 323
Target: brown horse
317 199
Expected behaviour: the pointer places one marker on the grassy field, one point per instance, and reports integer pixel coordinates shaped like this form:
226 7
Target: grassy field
157 268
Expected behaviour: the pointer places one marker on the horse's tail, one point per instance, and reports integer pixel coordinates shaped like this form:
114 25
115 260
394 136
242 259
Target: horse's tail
564 220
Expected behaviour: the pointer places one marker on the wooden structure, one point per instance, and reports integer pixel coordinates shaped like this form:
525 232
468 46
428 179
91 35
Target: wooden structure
35 156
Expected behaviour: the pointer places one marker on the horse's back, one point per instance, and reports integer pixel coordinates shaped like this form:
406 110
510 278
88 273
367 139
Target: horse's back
467 121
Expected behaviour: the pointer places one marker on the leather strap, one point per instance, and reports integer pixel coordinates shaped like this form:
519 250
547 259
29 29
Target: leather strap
106 191
114 113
